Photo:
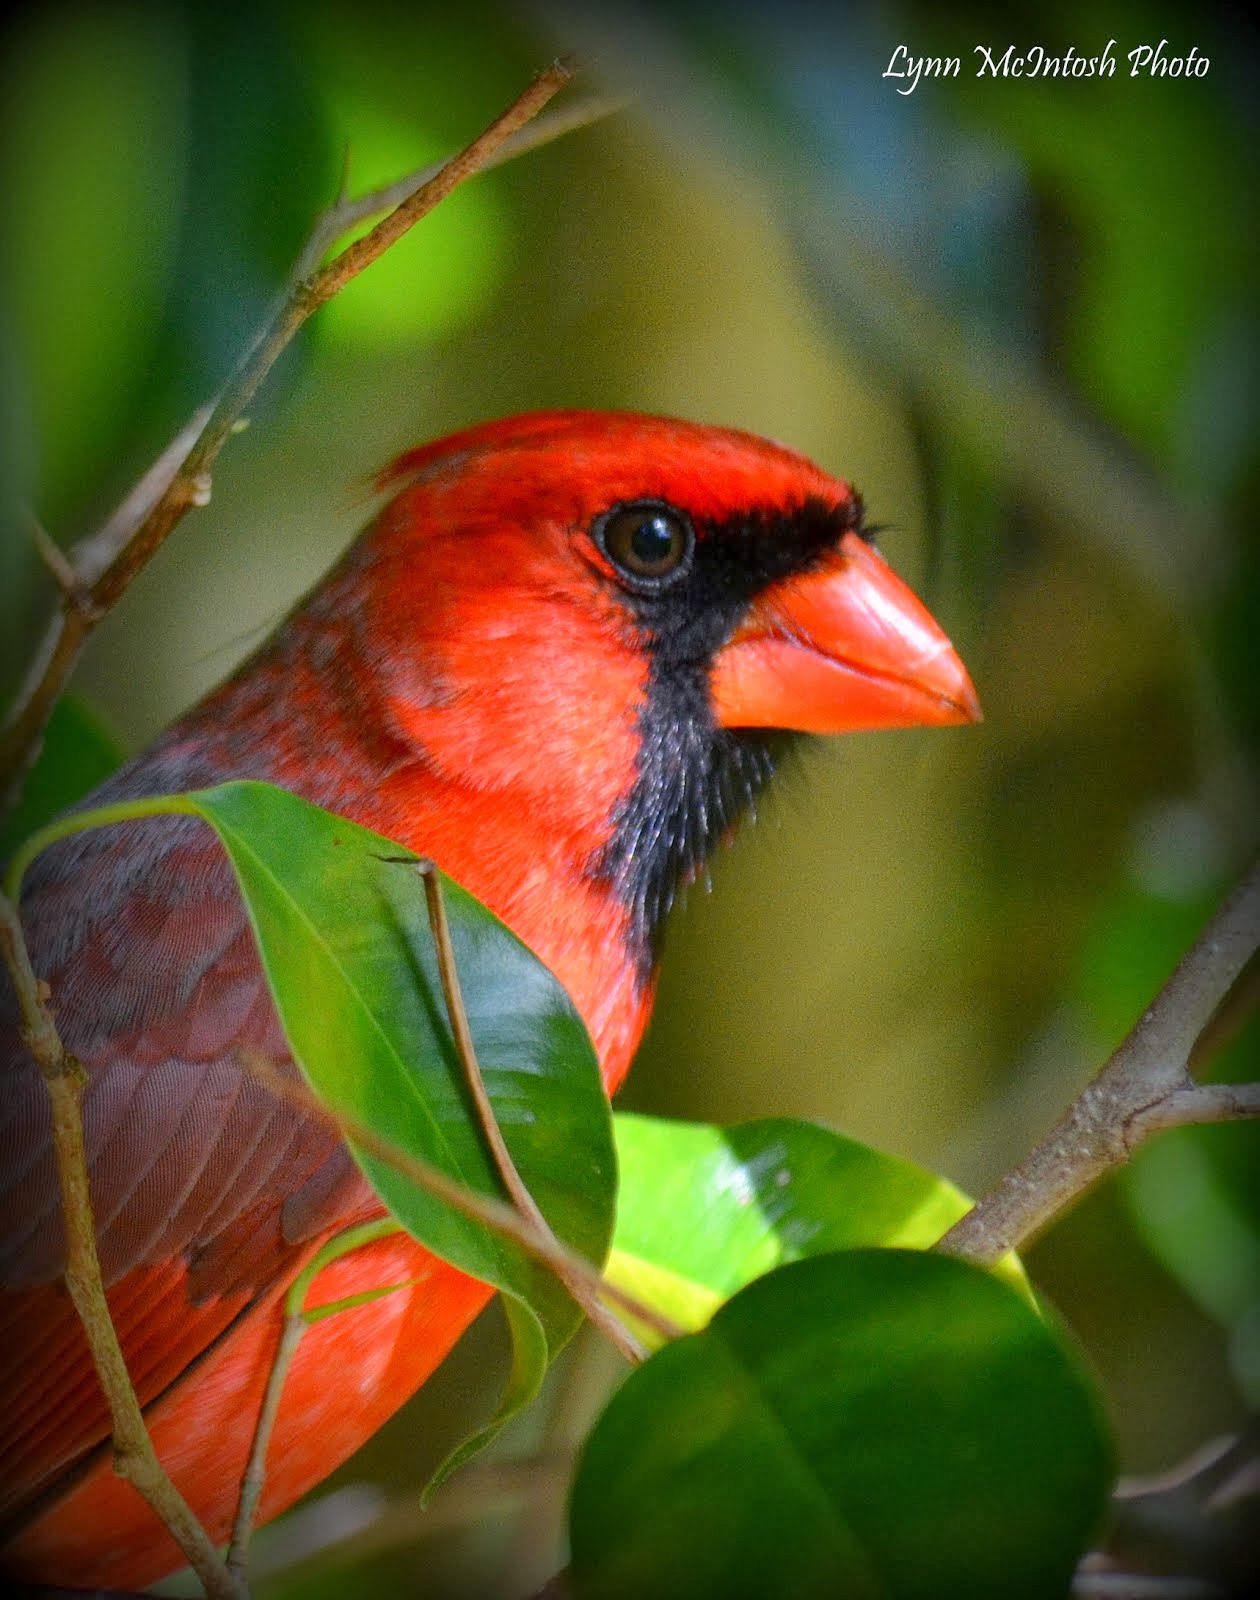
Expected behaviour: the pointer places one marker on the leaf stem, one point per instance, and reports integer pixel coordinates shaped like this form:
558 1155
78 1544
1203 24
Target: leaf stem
161 805
481 1208
587 1298
296 1321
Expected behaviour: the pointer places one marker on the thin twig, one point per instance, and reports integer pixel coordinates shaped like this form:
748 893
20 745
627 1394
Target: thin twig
484 1209
134 1456
457 1015
95 554
55 560
255 1475
128 551
328 280
347 213
296 1321
608 1324
1145 1086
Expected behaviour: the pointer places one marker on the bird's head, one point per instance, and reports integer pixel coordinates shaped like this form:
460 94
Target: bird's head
613 619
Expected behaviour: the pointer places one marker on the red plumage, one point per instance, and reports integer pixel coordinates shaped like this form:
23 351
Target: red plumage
497 676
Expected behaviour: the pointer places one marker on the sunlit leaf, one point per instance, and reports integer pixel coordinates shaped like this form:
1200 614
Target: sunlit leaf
704 1210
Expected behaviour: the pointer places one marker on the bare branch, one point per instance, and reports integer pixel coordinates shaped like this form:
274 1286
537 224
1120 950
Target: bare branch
1144 1087
118 553
1198 1102
328 280
346 213
134 1456
97 553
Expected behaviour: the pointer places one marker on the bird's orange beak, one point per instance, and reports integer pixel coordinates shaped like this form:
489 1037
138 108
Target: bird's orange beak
841 649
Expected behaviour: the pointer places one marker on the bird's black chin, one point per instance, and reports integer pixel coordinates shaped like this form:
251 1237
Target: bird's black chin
694 782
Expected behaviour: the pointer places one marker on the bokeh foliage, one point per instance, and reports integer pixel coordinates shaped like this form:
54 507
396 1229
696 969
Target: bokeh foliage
1019 314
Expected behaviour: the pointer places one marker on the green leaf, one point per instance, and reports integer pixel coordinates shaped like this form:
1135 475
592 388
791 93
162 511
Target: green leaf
343 932
704 1210
878 1423
78 753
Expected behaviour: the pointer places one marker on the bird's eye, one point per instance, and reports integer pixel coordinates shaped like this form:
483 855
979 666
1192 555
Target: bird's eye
647 541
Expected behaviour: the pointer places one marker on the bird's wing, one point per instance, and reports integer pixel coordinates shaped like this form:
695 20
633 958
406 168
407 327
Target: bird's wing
207 1191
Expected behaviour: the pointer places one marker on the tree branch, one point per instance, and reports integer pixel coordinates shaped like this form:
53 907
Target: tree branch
134 1456
180 480
1146 1086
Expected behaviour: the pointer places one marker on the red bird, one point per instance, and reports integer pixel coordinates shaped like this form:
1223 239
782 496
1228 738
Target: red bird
557 663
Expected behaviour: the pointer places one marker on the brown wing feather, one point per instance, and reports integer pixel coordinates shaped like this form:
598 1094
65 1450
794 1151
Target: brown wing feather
206 1189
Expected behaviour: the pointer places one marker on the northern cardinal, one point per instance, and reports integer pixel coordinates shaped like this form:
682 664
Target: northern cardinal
556 663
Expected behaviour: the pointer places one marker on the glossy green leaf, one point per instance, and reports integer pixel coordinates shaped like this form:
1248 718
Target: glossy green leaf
871 1423
704 1210
340 918
78 753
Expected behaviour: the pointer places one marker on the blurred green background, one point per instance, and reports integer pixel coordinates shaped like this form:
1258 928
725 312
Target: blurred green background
1018 313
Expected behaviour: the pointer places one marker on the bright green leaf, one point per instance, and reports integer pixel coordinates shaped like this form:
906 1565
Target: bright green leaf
872 1423
704 1210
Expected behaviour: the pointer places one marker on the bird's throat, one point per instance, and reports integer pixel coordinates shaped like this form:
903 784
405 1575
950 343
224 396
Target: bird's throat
694 783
